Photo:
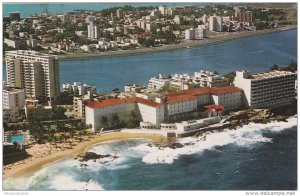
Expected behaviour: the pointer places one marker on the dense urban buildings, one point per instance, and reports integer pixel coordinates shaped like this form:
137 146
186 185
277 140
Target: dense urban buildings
36 73
266 90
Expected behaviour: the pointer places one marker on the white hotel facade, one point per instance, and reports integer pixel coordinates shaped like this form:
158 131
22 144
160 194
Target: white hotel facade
171 107
266 90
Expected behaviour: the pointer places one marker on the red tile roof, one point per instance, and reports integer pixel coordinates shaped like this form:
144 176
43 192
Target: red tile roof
170 97
214 108
191 94
230 89
114 101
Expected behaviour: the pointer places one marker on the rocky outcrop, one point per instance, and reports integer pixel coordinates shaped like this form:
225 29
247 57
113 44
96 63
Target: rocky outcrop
93 156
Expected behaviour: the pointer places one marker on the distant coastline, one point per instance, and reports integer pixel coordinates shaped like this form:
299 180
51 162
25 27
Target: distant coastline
188 44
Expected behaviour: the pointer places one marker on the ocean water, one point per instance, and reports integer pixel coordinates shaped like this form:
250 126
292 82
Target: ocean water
252 157
255 54
29 9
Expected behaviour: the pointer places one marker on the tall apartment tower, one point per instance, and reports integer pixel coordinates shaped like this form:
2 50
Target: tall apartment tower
93 31
162 10
119 13
216 23
245 16
36 73
266 90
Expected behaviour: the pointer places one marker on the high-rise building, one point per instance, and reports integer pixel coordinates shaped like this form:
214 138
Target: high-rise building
93 31
119 13
162 10
170 12
236 11
65 18
178 19
245 16
151 26
216 23
14 16
190 34
266 90
36 73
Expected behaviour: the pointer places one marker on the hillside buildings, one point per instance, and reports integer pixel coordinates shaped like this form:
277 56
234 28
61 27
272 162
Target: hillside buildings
36 73
266 90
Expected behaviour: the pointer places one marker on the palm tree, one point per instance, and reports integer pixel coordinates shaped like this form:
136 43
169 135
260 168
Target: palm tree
104 121
132 120
115 121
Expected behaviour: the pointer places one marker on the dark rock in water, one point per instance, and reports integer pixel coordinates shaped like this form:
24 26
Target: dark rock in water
93 156
150 145
175 145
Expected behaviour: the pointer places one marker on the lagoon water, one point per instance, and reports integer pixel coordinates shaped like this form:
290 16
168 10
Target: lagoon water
255 54
253 157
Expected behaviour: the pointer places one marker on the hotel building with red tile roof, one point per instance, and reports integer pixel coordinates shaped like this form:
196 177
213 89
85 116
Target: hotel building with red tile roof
170 107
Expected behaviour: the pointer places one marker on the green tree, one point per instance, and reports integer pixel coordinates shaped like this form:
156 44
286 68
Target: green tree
104 121
115 121
132 120
59 112
230 76
274 67
291 67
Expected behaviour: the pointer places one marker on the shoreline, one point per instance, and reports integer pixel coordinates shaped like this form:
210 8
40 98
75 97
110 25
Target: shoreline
180 46
33 164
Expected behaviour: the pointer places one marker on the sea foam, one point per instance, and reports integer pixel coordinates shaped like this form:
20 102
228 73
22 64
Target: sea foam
245 136
66 182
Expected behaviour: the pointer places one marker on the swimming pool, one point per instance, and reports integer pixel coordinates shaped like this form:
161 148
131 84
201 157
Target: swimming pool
16 138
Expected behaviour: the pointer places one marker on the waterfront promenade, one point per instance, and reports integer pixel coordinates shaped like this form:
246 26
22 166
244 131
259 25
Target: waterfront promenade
219 37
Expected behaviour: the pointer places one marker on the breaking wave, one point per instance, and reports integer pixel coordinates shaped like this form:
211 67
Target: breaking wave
245 136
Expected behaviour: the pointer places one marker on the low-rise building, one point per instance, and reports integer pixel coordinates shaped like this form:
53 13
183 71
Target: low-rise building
133 88
100 114
13 98
11 115
159 82
79 88
266 90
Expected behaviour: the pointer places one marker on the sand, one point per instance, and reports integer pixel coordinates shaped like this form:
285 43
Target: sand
42 156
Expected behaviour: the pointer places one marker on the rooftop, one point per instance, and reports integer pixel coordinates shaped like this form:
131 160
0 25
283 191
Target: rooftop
191 94
114 101
271 74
